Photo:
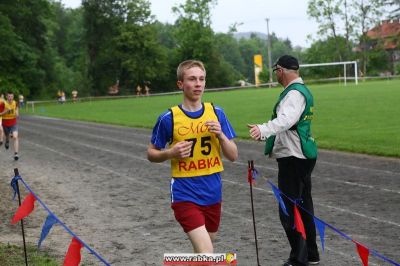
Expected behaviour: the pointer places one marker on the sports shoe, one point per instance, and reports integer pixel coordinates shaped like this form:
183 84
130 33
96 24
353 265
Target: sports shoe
313 262
7 144
287 264
16 157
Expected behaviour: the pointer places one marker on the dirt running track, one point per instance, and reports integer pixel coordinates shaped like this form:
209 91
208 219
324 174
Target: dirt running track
97 180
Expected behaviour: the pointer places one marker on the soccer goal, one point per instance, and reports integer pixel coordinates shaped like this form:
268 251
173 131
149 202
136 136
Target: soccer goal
345 77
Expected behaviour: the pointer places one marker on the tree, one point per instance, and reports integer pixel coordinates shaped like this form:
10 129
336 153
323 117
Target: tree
193 29
248 48
367 14
395 12
14 55
142 59
321 52
23 25
195 40
229 49
326 13
102 21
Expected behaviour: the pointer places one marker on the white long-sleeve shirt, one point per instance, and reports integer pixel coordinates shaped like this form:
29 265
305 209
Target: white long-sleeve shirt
289 110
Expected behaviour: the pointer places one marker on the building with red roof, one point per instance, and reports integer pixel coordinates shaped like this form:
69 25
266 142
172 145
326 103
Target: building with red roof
387 35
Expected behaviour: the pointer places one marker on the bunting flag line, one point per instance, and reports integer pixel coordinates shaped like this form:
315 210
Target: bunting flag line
321 229
25 209
48 224
298 222
278 197
73 256
363 252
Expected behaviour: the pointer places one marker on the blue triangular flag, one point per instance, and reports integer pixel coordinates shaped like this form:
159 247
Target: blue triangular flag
14 185
321 229
278 197
254 173
48 224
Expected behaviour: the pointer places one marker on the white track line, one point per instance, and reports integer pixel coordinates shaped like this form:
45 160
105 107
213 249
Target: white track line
329 179
95 126
133 143
225 180
96 137
84 124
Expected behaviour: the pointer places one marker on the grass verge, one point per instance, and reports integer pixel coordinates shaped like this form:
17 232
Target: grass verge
11 255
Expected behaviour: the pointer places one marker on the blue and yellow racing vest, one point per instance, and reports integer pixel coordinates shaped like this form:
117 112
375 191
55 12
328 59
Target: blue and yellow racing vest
205 157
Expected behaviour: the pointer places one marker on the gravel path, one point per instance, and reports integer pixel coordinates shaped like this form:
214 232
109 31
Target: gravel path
97 180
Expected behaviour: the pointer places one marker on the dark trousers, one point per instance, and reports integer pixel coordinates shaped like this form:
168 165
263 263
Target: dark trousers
294 180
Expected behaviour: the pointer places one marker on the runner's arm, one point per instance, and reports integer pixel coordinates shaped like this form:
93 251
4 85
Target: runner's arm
228 147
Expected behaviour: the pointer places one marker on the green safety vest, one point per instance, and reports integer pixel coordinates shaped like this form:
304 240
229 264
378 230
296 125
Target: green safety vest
303 126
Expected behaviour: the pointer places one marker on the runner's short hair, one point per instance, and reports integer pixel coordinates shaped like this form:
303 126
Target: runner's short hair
185 65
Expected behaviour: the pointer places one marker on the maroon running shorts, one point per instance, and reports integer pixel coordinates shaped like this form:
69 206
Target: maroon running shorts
192 216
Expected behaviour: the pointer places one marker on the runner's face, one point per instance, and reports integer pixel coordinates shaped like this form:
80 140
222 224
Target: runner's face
10 97
193 83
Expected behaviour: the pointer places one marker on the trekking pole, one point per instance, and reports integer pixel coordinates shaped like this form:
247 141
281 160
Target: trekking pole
250 171
16 173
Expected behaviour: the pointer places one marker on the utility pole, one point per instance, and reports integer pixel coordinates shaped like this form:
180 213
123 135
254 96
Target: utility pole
269 53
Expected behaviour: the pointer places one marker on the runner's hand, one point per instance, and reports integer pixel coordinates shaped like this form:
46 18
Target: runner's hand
181 149
213 127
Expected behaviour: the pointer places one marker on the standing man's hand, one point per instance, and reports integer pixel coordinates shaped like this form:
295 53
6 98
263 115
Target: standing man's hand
254 132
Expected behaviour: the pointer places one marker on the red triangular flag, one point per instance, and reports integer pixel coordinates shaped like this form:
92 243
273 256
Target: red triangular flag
363 252
25 209
298 222
73 256
249 178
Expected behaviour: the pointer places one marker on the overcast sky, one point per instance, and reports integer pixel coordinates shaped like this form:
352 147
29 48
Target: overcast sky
287 18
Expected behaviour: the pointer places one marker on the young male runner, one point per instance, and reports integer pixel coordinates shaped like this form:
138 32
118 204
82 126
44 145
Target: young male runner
196 132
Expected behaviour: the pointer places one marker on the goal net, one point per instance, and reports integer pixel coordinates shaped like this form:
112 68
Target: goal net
342 74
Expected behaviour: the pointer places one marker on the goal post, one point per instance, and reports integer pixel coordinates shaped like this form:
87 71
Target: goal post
339 63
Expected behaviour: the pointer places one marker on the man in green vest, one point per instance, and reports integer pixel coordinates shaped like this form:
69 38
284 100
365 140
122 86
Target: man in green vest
289 140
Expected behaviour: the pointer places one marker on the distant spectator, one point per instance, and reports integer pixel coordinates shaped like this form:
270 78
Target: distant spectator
138 90
59 94
21 100
74 94
114 89
147 90
62 98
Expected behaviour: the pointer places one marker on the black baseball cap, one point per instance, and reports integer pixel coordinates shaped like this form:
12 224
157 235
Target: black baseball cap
288 62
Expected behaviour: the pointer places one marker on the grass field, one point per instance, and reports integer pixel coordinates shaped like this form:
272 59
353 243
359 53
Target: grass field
362 119
11 255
